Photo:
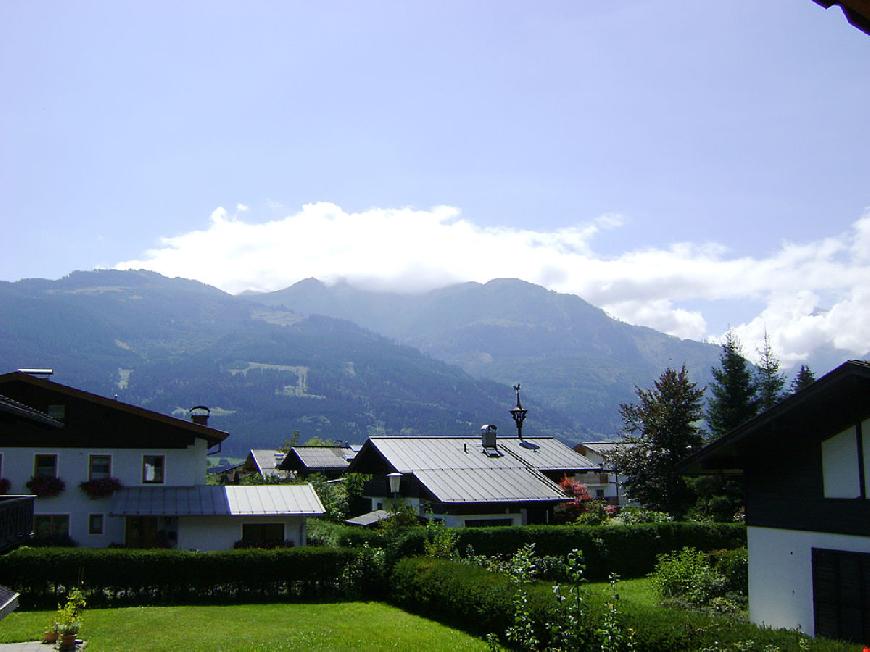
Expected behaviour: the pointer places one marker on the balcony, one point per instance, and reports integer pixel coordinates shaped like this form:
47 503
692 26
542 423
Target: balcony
16 520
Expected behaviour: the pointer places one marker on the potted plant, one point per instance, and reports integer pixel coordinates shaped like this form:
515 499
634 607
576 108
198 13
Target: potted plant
101 488
5 485
67 633
50 633
45 486
68 619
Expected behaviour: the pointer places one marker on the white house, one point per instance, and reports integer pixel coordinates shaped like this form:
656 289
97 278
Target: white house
806 468
145 473
470 481
604 482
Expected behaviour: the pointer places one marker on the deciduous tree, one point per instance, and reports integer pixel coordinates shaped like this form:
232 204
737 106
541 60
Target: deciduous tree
662 428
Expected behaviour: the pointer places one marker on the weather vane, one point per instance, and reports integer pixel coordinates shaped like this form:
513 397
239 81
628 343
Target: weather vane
518 413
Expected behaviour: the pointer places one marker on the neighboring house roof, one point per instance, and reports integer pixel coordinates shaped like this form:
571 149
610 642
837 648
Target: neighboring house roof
11 406
458 470
267 460
317 458
272 500
839 396
372 518
35 391
408 453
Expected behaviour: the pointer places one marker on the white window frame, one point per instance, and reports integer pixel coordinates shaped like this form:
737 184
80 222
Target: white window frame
92 455
142 472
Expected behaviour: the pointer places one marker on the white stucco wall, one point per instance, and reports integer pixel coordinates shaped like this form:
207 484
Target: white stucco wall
781 574
220 533
182 467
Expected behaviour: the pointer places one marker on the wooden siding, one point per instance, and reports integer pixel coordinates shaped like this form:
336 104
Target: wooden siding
784 485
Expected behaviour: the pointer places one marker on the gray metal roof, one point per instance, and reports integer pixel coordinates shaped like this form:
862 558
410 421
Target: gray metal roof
547 454
267 460
370 518
543 453
508 485
204 500
323 457
457 470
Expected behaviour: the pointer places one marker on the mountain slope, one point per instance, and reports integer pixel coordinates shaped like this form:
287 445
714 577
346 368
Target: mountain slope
168 344
564 350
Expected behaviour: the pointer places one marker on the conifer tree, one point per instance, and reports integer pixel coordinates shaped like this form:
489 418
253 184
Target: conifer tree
733 399
663 428
770 381
803 379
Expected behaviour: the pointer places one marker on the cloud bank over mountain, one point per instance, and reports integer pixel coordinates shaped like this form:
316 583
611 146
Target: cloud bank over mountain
811 294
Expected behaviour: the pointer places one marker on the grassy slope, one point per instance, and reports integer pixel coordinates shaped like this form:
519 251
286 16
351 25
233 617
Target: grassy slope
333 626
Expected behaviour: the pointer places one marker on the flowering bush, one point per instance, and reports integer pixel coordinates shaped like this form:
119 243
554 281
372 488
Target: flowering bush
580 498
100 488
45 486
4 486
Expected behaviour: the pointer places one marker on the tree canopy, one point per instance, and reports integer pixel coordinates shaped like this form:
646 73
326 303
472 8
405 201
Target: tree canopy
662 428
803 379
769 380
733 389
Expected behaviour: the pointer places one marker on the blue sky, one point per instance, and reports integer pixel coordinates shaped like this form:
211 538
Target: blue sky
685 165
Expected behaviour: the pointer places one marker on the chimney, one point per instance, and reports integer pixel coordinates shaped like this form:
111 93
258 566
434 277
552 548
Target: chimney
487 435
199 415
38 373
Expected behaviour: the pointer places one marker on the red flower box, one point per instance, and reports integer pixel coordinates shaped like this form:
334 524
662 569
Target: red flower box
101 488
46 486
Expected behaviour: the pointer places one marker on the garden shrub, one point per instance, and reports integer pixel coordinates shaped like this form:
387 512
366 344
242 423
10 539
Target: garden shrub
41 575
734 567
464 596
687 576
628 550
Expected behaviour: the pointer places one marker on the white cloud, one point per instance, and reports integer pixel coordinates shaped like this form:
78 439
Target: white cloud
814 293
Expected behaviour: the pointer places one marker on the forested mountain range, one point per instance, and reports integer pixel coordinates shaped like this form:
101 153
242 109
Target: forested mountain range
336 361
168 344
566 352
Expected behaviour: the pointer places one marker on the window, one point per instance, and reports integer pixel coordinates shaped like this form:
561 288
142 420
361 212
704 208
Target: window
99 467
50 526
599 494
45 466
1 465
95 524
263 534
152 469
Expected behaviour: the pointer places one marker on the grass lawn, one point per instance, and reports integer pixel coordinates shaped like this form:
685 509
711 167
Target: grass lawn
331 626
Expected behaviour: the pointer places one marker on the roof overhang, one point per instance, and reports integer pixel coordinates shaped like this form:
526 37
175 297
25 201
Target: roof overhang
207 500
835 400
211 435
857 12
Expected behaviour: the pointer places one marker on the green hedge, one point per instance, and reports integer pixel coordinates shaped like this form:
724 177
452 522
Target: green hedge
629 550
461 595
144 576
480 602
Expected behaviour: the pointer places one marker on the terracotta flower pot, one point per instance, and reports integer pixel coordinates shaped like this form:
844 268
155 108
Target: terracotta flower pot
49 636
68 642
